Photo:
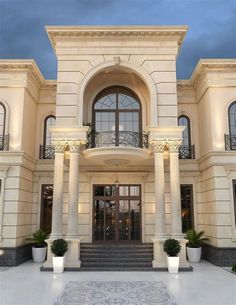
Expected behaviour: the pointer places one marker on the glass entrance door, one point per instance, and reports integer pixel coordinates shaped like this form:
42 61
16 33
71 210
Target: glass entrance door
117 213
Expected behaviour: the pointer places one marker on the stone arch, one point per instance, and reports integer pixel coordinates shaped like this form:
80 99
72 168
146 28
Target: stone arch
126 65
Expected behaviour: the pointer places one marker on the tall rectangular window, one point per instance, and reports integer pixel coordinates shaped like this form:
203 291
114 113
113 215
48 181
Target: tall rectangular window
234 192
187 212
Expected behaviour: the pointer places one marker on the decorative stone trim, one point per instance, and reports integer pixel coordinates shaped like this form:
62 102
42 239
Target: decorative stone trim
75 147
174 146
158 146
59 147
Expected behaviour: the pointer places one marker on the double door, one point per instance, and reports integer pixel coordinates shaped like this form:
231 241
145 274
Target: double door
117 213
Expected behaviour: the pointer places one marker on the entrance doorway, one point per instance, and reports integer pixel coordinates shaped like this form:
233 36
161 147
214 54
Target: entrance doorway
117 213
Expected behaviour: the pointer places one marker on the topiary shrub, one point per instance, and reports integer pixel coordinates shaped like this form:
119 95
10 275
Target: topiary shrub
59 247
172 247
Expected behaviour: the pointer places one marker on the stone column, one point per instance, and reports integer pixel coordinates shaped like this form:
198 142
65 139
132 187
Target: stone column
57 207
72 230
158 241
158 148
73 254
176 221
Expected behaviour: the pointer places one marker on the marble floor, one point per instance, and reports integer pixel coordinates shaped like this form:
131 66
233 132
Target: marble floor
206 285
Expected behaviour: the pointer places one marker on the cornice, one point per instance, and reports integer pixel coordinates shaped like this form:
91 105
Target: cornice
209 65
27 65
184 84
55 32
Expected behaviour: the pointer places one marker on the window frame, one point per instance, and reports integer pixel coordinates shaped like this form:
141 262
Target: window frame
45 128
187 126
229 120
4 121
116 90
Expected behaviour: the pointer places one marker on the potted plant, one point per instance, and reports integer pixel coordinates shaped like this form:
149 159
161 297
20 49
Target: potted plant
172 248
58 248
194 245
39 247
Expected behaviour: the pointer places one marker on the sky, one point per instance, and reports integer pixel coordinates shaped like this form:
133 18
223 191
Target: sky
211 34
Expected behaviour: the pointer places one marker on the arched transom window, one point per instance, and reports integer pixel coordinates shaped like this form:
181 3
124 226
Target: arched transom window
117 117
48 122
184 120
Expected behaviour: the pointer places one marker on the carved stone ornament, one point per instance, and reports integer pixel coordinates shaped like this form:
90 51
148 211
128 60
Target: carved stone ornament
59 147
174 146
158 146
75 147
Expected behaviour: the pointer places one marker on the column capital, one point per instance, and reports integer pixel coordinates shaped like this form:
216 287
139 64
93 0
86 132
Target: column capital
158 146
59 147
75 146
174 146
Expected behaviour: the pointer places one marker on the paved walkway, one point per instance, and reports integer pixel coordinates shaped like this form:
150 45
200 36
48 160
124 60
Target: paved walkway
206 285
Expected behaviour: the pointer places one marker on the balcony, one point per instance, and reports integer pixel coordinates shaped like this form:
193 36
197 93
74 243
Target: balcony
4 142
46 152
187 152
230 142
117 138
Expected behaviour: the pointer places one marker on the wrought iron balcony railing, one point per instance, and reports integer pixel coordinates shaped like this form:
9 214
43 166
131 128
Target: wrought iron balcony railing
4 142
117 138
230 142
46 152
186 152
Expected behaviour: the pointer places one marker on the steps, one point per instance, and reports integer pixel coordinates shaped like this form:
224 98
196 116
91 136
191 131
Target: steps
116 257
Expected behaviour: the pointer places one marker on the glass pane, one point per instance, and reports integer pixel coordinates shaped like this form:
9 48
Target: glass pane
110 218
186 207
99 219
105 121
134 219
47 200
232 120
123 190
106 102
2 120
108 190
129 121
127 102
50 121
134 190
124 220
183 121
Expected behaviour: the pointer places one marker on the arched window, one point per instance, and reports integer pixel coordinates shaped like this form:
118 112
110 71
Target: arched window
232 121
48 122
2 119
184 120
117 118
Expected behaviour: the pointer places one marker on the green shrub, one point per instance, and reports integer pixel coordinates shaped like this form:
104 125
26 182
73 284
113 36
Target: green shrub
195 239
59 247
234 268
172 247
38 238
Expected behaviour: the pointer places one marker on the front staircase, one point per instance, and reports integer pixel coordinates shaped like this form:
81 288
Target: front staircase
116 257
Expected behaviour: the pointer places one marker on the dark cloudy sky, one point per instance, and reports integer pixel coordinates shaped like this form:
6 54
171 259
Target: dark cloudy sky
212 23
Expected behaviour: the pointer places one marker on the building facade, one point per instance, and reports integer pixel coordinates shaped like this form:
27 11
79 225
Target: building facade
117 149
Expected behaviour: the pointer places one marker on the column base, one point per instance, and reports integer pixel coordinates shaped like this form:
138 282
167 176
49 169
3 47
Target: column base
160 256
72 256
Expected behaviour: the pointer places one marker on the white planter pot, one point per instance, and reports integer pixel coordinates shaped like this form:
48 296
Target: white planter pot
194 254
39 254
173 264
58 264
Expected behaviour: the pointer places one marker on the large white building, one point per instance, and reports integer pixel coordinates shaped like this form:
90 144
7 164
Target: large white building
117 149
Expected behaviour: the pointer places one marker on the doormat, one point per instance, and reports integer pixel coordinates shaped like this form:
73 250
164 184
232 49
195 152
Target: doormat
115 293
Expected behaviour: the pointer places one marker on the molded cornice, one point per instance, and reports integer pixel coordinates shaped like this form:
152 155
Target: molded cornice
209 65
175 32
27 65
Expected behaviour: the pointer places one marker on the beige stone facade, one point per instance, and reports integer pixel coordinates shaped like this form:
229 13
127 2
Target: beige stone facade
142 59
